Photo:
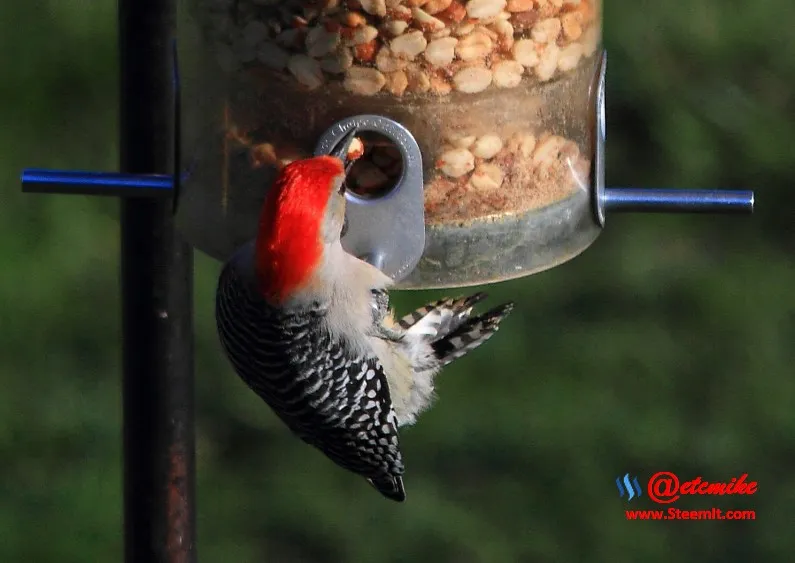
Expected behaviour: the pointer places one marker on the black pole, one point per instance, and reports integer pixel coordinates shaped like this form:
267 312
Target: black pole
157 287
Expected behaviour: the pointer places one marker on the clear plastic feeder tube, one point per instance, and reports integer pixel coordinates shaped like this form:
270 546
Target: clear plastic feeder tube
499 95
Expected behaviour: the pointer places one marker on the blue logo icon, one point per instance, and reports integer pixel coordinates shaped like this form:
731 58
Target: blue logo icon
632 488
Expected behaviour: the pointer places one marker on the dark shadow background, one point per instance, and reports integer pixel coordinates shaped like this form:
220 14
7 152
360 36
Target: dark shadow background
666 346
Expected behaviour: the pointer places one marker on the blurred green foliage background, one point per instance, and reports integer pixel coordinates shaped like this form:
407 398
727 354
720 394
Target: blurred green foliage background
669 345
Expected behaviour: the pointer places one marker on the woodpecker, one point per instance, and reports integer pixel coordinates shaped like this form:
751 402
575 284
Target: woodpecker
308 327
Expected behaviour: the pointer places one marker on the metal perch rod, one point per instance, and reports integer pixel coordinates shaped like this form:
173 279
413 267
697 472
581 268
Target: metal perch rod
650 200
35 180
677 201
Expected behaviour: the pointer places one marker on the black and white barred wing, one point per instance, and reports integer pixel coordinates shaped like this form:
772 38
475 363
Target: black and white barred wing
365 439
330 398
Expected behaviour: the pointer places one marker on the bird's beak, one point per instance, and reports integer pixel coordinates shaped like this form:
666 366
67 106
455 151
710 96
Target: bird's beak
341 152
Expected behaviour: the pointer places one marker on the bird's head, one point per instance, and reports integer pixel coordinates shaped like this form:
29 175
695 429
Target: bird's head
303 215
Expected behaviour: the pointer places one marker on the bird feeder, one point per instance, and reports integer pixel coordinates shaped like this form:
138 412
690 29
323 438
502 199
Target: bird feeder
499 97
502 100
481 121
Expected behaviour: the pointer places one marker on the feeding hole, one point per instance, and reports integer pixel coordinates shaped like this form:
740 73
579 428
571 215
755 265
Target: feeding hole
378 171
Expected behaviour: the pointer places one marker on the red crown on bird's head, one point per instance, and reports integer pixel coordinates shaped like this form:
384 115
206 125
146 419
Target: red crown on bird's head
288 246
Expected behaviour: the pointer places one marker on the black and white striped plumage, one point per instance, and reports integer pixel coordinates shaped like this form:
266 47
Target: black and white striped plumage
308 327
456 332
334 400
328 391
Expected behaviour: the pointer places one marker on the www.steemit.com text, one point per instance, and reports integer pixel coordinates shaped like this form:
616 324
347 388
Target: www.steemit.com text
678 514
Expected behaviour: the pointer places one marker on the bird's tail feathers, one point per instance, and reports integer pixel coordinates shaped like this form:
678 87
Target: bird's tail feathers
469 333
442 317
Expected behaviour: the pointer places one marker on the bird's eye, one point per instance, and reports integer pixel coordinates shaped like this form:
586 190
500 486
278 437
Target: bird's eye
344 227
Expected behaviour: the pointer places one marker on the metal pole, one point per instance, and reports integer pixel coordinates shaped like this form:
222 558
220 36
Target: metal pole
157 287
